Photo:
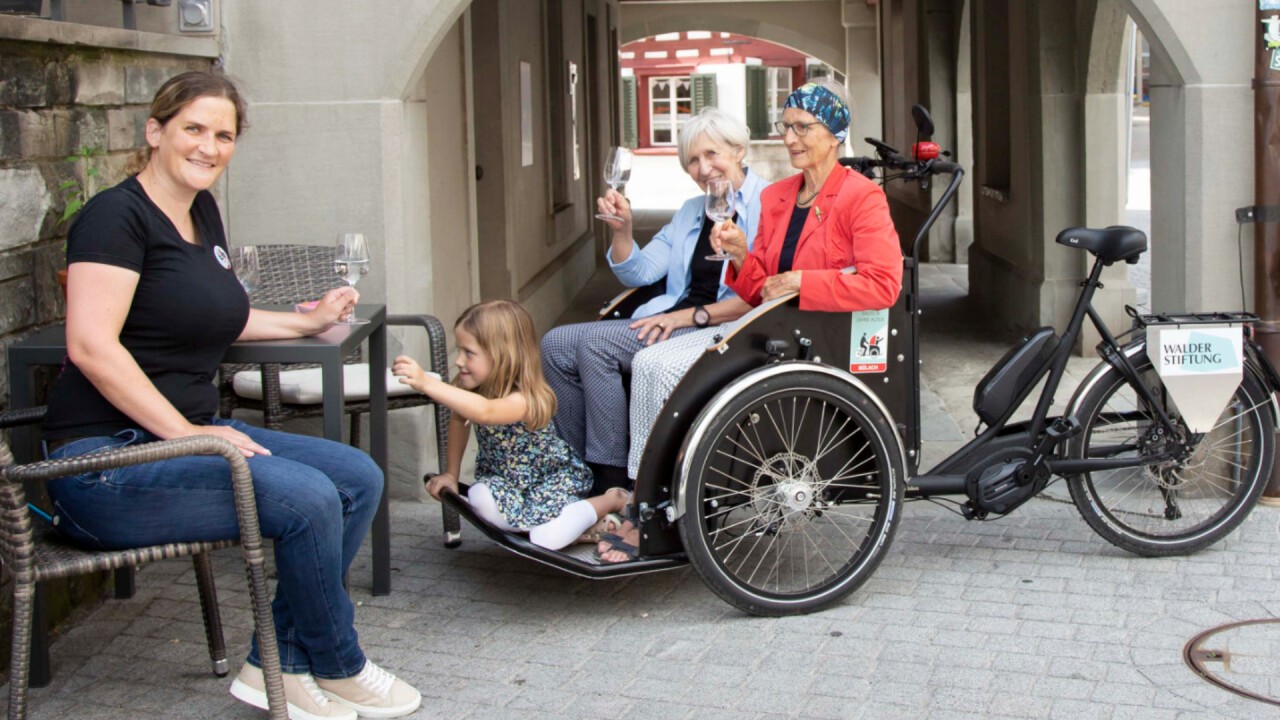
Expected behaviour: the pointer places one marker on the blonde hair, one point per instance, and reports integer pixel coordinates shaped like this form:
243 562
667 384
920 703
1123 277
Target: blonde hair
180 91
505 332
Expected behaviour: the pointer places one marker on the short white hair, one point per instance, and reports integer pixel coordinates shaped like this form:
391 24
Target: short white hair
720 127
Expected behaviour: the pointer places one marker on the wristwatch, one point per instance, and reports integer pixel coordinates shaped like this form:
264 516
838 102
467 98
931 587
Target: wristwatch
701 317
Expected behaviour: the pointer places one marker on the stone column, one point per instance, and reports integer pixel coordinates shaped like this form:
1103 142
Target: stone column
862 67
1201 151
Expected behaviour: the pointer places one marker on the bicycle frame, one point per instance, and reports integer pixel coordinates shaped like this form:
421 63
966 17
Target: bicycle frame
949 476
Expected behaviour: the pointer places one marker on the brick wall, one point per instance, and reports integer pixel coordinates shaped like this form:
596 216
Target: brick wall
53 100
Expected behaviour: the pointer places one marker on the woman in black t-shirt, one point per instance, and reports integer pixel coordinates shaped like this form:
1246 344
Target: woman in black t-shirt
152 305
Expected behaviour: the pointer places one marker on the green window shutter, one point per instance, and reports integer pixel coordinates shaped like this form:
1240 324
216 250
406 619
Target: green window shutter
630 126
757 102
704 92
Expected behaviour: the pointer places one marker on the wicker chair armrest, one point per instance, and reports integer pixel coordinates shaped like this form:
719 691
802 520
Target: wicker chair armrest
241 479
27 416
435 338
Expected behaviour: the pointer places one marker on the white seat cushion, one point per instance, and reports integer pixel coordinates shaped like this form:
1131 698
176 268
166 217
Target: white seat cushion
303 387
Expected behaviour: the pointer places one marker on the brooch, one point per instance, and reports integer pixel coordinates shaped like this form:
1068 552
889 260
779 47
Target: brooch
818 212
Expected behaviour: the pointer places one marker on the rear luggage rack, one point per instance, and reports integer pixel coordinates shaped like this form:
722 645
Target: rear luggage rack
1201 318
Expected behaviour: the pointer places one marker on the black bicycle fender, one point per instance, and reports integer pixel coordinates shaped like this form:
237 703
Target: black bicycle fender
1265 371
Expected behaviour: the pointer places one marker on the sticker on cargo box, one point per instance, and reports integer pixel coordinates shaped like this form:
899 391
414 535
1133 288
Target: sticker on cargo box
869 342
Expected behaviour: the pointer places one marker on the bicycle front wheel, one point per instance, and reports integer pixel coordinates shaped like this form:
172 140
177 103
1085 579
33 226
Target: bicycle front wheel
1168 507
794 494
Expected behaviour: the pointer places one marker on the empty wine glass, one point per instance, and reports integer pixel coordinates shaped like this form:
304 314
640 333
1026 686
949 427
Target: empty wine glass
719 207
617 170
244 262
351 262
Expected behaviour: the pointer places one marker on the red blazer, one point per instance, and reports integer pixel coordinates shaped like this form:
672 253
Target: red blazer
848 224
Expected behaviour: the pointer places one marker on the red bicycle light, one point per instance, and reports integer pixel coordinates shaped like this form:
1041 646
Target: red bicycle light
925 150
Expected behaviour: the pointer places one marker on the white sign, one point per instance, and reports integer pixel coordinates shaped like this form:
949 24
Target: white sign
1201 366
869 342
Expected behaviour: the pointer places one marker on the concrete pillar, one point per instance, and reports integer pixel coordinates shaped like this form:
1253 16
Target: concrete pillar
1107 106
862 69
963 228
1201 150
1065 159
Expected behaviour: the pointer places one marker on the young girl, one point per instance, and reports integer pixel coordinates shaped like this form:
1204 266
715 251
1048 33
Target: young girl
527 478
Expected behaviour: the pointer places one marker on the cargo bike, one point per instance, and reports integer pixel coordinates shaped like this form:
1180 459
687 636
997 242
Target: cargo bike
780 465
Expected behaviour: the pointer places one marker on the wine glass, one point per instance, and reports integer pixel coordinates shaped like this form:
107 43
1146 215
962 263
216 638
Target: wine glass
244 262
351 262
719 207
617 170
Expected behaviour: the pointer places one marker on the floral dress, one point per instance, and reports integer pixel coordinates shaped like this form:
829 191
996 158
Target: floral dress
532 474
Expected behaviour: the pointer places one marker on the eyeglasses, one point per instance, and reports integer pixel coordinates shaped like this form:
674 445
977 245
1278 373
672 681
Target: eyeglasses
800 129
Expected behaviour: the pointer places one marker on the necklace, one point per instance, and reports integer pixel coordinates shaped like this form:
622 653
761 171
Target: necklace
805 201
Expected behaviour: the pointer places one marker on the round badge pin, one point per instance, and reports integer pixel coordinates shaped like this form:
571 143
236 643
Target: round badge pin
221 255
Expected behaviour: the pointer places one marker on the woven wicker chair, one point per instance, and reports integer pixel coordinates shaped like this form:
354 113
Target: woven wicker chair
291 274
35 554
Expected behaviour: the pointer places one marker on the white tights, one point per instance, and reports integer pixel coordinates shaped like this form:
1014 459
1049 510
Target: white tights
553 535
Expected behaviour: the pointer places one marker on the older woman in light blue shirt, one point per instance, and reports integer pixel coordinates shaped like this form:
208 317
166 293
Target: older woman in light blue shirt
584 363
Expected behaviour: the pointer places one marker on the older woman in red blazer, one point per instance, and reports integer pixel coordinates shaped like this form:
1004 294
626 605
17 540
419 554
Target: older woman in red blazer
816 224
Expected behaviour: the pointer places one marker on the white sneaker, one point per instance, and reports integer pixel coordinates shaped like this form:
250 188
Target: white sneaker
374 693
304 698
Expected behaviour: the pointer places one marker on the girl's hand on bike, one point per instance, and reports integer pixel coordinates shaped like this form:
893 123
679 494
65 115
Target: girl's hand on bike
441 482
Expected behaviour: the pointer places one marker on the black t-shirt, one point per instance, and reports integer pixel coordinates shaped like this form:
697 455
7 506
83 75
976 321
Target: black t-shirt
187 309
704 274
789 243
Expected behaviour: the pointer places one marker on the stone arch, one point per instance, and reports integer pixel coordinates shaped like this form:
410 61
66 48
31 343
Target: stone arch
1166 46
806 35
404 73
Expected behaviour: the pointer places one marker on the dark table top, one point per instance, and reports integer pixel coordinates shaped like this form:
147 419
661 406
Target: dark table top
49 346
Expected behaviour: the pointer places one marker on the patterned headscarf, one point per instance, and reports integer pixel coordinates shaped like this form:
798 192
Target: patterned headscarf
824 105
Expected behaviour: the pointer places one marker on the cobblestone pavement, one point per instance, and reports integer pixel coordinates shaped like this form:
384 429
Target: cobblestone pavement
1030 616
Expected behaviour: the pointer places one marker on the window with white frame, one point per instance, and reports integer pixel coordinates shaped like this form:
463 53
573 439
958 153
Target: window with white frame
779 87
670 106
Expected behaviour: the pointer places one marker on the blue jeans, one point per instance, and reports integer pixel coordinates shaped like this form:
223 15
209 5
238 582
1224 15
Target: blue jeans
316 500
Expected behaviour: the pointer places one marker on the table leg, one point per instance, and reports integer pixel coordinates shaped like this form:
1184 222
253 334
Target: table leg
21 396
378 449
331 377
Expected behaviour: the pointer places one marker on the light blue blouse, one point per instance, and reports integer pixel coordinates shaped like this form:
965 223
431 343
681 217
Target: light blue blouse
671 250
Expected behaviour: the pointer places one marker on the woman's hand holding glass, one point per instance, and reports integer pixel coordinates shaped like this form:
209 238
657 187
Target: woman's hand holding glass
617 171
728 239
337 306
615 211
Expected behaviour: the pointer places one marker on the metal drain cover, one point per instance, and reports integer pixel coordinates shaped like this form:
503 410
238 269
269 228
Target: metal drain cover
1242 657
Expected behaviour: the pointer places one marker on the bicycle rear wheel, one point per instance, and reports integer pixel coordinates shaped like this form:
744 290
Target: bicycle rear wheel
1168 507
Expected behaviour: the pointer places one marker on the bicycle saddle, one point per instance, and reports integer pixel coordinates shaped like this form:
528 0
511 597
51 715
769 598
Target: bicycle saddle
1111 244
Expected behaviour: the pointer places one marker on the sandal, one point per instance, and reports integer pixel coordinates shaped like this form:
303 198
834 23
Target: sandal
615 542
610 523
607 525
